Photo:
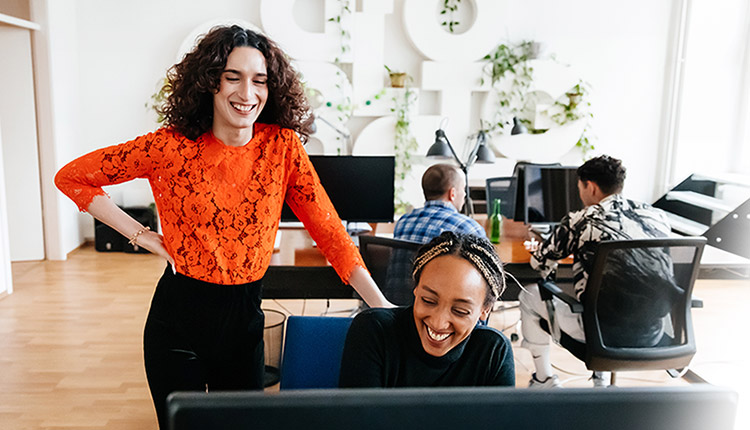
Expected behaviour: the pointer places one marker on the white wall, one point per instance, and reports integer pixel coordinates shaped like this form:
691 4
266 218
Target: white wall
56 79
17 111
715 91
622 49
6 278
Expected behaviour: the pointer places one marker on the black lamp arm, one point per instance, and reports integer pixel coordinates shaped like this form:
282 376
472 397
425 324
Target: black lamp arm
481 137
441 134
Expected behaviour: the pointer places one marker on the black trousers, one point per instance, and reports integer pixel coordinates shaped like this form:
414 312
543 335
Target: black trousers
201 336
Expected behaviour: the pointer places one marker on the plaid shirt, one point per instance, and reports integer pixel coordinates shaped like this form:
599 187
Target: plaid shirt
437 216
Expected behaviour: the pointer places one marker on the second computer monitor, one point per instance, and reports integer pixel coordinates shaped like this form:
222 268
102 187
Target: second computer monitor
549 193
360 188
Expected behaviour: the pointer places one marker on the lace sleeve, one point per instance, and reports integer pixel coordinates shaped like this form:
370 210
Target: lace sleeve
82 179
309 201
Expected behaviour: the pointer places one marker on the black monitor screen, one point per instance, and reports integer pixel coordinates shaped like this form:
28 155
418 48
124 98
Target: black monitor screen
550 193
693 407
360 188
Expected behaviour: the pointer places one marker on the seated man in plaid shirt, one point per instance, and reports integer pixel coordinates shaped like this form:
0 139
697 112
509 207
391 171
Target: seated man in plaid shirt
444 188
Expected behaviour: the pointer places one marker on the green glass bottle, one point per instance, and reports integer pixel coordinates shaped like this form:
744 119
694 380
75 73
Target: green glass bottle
496 222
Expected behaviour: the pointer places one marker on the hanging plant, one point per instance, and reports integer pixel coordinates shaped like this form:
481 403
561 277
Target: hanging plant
448 12
343 19
505 61
574 106
509 71
405 144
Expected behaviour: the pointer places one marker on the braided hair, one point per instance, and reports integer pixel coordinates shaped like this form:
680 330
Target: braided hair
477 250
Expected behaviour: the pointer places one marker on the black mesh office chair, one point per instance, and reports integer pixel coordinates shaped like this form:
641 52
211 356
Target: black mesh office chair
636 307
503 188
389 262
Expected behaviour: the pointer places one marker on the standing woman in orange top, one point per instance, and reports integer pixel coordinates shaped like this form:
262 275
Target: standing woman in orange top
220 170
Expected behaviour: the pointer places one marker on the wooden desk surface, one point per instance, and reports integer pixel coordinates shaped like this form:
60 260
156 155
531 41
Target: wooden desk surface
296 248
299 270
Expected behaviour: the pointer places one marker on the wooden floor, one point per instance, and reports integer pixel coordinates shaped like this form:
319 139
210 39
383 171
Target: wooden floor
71 336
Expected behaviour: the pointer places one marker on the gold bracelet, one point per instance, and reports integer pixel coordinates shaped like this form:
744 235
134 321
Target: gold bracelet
135 235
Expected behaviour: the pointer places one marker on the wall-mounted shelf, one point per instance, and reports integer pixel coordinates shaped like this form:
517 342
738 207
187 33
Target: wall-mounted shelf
702 200
18 22
707 205
685 226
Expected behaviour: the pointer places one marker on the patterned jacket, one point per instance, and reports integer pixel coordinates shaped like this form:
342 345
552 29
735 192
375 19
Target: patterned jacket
578 233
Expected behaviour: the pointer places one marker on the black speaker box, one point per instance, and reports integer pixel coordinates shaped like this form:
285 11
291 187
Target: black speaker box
106 239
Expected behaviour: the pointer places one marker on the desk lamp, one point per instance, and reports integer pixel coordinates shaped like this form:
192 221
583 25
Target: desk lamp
442 149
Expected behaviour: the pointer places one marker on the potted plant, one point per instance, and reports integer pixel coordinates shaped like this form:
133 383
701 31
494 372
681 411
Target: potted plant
398 78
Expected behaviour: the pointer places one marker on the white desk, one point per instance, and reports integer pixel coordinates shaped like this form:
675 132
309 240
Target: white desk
715 258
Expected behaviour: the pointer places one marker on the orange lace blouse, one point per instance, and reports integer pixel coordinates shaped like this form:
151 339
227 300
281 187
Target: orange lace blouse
219 205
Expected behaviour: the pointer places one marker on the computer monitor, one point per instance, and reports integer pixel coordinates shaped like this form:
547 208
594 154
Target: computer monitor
360 187
519 209
691 407
550 193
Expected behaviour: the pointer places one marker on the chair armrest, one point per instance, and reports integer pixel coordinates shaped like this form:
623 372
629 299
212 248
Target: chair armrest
695 302
547 289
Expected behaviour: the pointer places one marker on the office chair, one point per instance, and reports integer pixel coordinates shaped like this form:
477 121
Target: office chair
313 347
503 188
518 167
390 262
636 306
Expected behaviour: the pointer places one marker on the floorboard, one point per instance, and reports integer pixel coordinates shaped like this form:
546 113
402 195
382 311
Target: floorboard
71 342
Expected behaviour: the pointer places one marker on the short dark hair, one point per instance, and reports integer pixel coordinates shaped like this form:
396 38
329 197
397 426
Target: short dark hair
476 250
606 172
438 179
191 84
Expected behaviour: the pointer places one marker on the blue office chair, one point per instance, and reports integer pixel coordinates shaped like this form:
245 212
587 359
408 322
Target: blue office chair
312 351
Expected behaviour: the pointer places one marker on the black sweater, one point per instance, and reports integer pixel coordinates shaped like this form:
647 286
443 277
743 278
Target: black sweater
383 349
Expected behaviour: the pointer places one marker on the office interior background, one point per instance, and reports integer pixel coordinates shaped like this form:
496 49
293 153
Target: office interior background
670 87
670 84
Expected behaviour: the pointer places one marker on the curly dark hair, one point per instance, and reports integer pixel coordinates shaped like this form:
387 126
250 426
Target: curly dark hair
477 250
192 83
605 171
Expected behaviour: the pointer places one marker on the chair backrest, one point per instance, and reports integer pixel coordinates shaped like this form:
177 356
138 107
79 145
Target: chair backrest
637 303
313 347
390 262
503 188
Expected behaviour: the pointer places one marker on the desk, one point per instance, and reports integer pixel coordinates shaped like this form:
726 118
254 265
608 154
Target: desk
299 270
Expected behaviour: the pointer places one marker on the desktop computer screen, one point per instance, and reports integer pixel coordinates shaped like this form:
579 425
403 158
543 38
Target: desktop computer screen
360 187
549 193
694 407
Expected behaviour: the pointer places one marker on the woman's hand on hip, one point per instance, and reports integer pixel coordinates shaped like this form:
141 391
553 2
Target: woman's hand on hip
154 242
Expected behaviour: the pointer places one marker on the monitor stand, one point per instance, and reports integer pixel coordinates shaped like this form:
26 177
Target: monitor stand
357 228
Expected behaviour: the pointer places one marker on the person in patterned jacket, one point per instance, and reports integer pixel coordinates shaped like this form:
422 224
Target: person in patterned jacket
607 216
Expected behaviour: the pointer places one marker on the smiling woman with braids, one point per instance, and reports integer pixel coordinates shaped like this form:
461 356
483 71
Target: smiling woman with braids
436 341
220 169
